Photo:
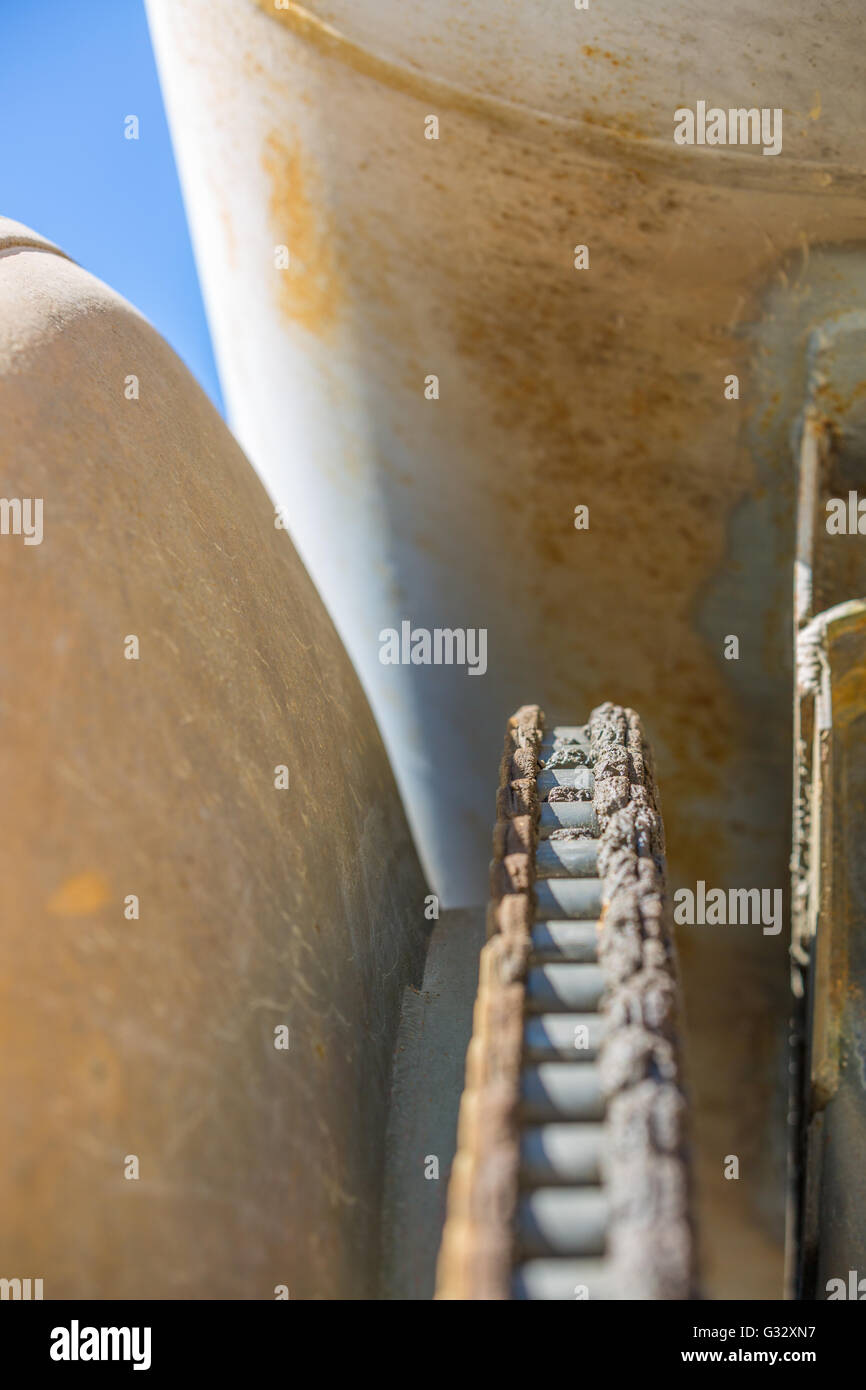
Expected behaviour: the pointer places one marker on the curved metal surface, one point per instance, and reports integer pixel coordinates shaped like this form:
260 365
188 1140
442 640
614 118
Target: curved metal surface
167 905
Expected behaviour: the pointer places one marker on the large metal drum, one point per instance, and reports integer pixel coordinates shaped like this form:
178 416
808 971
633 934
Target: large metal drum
210 900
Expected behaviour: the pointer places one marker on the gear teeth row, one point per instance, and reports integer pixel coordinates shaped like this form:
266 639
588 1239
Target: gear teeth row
563 1212
571 1178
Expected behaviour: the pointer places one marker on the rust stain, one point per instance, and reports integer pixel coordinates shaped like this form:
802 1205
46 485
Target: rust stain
80 895
834 402
590 52
308 289
594 137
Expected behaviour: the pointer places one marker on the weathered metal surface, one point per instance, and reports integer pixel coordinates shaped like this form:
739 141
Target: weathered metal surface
829 1227
477 1252
652 1248
618 1189
827 1219
610 69
305 127
148 1031
429 1066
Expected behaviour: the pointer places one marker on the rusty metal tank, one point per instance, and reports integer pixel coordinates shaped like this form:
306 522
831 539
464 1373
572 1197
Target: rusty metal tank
210 897
381 195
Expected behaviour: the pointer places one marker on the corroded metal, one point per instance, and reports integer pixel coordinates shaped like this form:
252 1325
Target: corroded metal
829 1224
651 1238
571 1177
477 1251
827 1209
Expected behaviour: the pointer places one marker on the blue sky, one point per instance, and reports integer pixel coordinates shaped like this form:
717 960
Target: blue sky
69 74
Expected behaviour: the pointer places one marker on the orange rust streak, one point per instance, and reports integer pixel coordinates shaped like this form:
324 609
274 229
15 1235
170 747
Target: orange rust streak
308 289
